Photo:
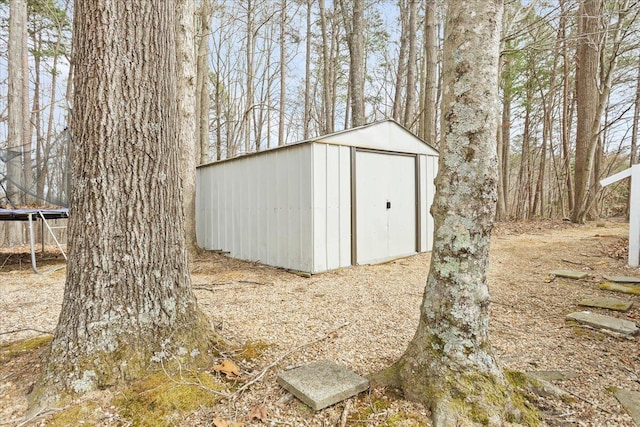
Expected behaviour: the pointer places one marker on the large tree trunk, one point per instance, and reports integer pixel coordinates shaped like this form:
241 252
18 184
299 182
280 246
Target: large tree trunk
587 103
449 364
128 288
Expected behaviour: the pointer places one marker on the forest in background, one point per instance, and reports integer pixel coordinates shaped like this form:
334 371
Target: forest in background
271 72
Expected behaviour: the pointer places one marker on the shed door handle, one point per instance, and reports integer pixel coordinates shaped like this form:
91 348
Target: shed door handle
388 205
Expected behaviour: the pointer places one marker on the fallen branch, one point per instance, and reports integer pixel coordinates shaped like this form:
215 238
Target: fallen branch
345 413
284 356
15 331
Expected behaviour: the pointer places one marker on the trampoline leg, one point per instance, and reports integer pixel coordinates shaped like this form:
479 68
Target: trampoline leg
32 245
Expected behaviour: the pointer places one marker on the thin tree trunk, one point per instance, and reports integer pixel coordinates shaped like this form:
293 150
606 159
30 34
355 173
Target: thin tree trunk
187 78
355 42
16 117
409 110
307 75
402 64
202 85
283 72
326 72
587 103
428 105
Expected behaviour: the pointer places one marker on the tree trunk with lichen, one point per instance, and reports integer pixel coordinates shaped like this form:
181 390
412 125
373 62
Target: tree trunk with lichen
128 291
449 365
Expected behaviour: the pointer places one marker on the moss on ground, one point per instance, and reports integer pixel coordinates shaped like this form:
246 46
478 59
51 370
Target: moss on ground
365 413
158 400
252 349
17 348
86 414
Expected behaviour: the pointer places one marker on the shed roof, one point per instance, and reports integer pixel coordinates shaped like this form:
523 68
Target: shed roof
386 135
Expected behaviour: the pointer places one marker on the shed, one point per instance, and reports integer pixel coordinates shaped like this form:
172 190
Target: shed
358 196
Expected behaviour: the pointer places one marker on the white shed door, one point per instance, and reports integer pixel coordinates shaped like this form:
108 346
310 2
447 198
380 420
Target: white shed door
385 206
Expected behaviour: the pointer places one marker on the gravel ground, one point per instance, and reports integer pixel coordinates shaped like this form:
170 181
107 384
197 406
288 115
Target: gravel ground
363 318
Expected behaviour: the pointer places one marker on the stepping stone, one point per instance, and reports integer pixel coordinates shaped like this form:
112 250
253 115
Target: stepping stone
622 279
322 383
630 401
553 375
570 274
616 287
600 321
608 303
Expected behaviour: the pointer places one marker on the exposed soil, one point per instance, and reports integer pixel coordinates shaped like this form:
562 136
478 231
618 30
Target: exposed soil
362 318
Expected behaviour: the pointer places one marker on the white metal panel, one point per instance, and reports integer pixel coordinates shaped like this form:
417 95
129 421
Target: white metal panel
319 207
345 206
259 206
385 206
331 207
430 186
386 135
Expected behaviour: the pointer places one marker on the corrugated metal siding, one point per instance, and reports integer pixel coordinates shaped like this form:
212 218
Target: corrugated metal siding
428 172
331 207
259 208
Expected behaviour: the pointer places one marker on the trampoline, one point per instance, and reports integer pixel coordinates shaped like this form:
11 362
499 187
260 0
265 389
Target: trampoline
33 215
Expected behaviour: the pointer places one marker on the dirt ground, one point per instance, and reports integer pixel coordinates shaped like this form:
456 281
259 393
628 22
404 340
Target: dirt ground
362 318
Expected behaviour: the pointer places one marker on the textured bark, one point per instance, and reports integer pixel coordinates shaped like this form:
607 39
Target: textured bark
449 364
128 287
307 74
355 42
283 71
16 112
409 107
587 103
202 86
402 64
428 105
327 78
565 118
186 72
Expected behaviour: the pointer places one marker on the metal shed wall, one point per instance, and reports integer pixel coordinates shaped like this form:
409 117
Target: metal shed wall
259 208
428 172
331 207
291 206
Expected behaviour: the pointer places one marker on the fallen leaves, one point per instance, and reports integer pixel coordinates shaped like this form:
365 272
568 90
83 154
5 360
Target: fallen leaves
258 412
228 368
219 422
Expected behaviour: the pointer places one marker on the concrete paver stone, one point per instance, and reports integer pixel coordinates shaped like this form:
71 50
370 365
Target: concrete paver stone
608 303
321 384
630 401
617 287
604 322
570 274
621 279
